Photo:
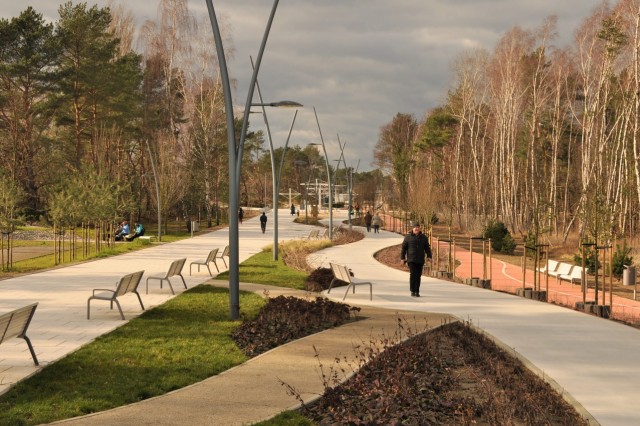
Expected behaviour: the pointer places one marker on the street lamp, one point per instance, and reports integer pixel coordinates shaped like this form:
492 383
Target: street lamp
235 151
326 160
275 177
155 178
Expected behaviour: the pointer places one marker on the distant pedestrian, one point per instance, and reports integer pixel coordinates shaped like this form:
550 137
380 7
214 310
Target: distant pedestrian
376 221
293 210
240 214
263 222
367 220
414 248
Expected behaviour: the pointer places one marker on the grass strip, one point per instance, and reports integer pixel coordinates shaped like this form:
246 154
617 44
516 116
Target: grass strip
261 269
181 342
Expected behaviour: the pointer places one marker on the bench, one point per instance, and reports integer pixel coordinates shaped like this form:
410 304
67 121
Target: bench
342 273
15 324
225 253
213 254
324 234
127 284
175 270
149 238
562 269
551 266
574 277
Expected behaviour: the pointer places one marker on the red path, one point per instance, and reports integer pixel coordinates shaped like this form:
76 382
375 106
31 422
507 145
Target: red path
507 277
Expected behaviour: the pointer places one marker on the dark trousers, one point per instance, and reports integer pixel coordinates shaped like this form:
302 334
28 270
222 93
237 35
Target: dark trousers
415 272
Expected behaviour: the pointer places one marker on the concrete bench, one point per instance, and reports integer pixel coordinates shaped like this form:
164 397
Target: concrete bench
15 324
150 238
562 269
575 276
127 284
342 273
175 270
551 267
213 254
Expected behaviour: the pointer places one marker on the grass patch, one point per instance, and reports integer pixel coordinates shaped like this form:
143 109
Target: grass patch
261 269
287 418
181 342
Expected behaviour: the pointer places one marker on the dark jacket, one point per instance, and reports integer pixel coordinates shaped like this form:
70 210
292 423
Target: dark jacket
414 247
263 218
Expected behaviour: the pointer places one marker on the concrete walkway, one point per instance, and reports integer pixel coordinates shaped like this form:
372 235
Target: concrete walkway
592 359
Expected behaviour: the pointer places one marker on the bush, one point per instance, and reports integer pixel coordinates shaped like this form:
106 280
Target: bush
508 244
319 279
284 319
620 259
497 232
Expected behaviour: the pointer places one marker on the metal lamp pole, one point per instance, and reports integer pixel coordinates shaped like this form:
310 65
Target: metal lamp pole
235 151
326 160
275 177
155 178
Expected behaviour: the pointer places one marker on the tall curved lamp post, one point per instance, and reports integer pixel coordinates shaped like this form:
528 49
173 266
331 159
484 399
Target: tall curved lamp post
155 178
235 151
275 175
326 160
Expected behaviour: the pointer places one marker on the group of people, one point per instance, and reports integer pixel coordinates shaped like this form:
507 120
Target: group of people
123 232
374 221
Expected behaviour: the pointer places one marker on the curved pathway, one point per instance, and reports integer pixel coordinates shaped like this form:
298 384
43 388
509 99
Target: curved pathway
593 359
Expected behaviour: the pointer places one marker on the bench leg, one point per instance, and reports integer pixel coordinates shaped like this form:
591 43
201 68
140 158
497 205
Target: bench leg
89 308
170 286
331 285
139 300
210 274
216 265
347 292
33 353
119 308
183 281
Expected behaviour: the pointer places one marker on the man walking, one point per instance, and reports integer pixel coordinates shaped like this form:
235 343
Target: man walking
263 222
414 247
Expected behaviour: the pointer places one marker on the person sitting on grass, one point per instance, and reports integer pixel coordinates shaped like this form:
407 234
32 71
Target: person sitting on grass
138 231
122 231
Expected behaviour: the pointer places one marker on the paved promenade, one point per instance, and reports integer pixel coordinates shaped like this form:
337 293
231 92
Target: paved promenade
593 360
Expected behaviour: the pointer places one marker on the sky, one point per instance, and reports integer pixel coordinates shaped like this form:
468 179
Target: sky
358 62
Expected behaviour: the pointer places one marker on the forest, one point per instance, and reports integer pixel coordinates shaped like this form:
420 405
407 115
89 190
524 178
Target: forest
95 110
541 138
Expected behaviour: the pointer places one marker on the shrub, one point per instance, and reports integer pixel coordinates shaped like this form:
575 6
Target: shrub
319 280
284 319
497 232
620 259
508 244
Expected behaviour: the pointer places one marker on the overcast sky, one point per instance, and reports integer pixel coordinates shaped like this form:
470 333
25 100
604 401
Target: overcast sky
359 62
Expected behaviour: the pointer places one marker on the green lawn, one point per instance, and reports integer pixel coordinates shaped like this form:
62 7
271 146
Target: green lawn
181 342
